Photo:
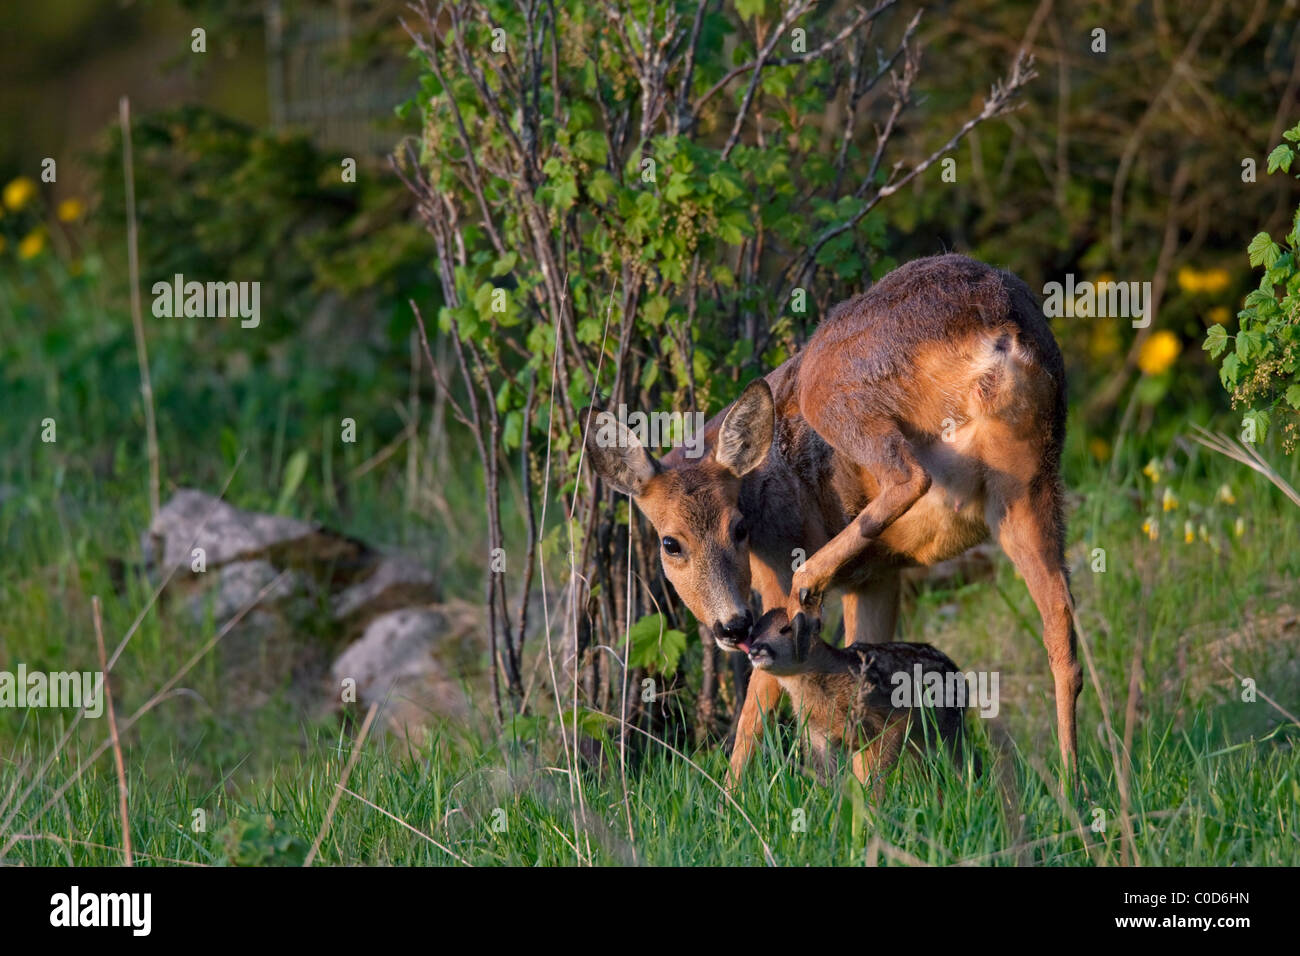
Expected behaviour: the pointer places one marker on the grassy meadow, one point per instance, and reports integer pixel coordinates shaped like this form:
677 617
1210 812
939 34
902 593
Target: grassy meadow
231 766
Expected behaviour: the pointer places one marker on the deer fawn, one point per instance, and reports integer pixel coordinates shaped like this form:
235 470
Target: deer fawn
845 698
922 415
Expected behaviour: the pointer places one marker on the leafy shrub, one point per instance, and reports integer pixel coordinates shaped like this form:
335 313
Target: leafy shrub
646 205
1261 371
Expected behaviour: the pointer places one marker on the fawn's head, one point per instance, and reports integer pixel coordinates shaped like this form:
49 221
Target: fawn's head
778 648
703 538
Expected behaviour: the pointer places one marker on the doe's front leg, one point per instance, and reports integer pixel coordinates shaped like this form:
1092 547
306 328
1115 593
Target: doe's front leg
761 698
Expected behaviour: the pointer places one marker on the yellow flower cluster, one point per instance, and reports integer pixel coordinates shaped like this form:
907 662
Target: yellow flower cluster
70 210
1159 352
1193 529
1209 282
19 193
32 245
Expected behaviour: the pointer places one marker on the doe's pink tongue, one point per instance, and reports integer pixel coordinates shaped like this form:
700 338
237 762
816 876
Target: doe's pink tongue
743 645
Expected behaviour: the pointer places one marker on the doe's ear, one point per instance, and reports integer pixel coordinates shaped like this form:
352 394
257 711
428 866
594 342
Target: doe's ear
615 452
746 433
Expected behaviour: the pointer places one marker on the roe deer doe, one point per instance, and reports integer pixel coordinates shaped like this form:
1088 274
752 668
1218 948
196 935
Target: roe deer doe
922 415
845 699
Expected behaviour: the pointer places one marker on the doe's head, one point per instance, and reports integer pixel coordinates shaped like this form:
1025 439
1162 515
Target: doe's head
693 505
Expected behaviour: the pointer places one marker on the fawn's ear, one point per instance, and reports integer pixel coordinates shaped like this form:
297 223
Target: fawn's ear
746 433
806 630
616 453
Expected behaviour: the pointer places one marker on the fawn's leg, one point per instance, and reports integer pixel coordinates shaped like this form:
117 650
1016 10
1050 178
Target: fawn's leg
872 764
900 479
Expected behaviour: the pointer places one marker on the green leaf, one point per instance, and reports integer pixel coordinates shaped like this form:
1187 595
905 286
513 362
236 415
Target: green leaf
1261 419
733 227
1280 158
1293 396
294 470
229 443
1263 249
725 185
679 187
590 722
1249 343
1216 340
590 145
601 185
512 431
1228 373
655 646
505 264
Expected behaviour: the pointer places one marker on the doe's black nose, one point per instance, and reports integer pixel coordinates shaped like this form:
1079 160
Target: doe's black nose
737 629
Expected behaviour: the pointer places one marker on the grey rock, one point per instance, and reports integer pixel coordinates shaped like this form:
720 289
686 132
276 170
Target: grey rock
406 661
235 586
192 519
396 582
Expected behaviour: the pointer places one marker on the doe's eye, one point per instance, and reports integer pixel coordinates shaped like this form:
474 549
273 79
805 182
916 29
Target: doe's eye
741 532
671 546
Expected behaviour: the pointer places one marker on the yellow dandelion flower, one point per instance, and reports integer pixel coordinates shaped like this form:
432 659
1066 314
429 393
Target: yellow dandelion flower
1219 315
19 193
1152 470
1189 533
1151 529
1189 280
1239 527
1159 352
1099 448
1215 280
1225 494
31 245
1169 502
70 210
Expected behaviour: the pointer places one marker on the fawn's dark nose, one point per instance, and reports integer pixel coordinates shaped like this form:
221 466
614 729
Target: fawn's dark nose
736 629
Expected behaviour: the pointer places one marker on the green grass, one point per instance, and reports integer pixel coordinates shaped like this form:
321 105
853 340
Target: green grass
1214 779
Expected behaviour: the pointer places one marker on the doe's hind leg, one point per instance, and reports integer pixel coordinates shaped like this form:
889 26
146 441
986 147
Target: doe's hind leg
1031 532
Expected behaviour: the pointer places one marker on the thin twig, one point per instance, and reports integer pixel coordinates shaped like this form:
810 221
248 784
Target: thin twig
1246 455
112 730
397 819
1126 825
137 319
342 784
